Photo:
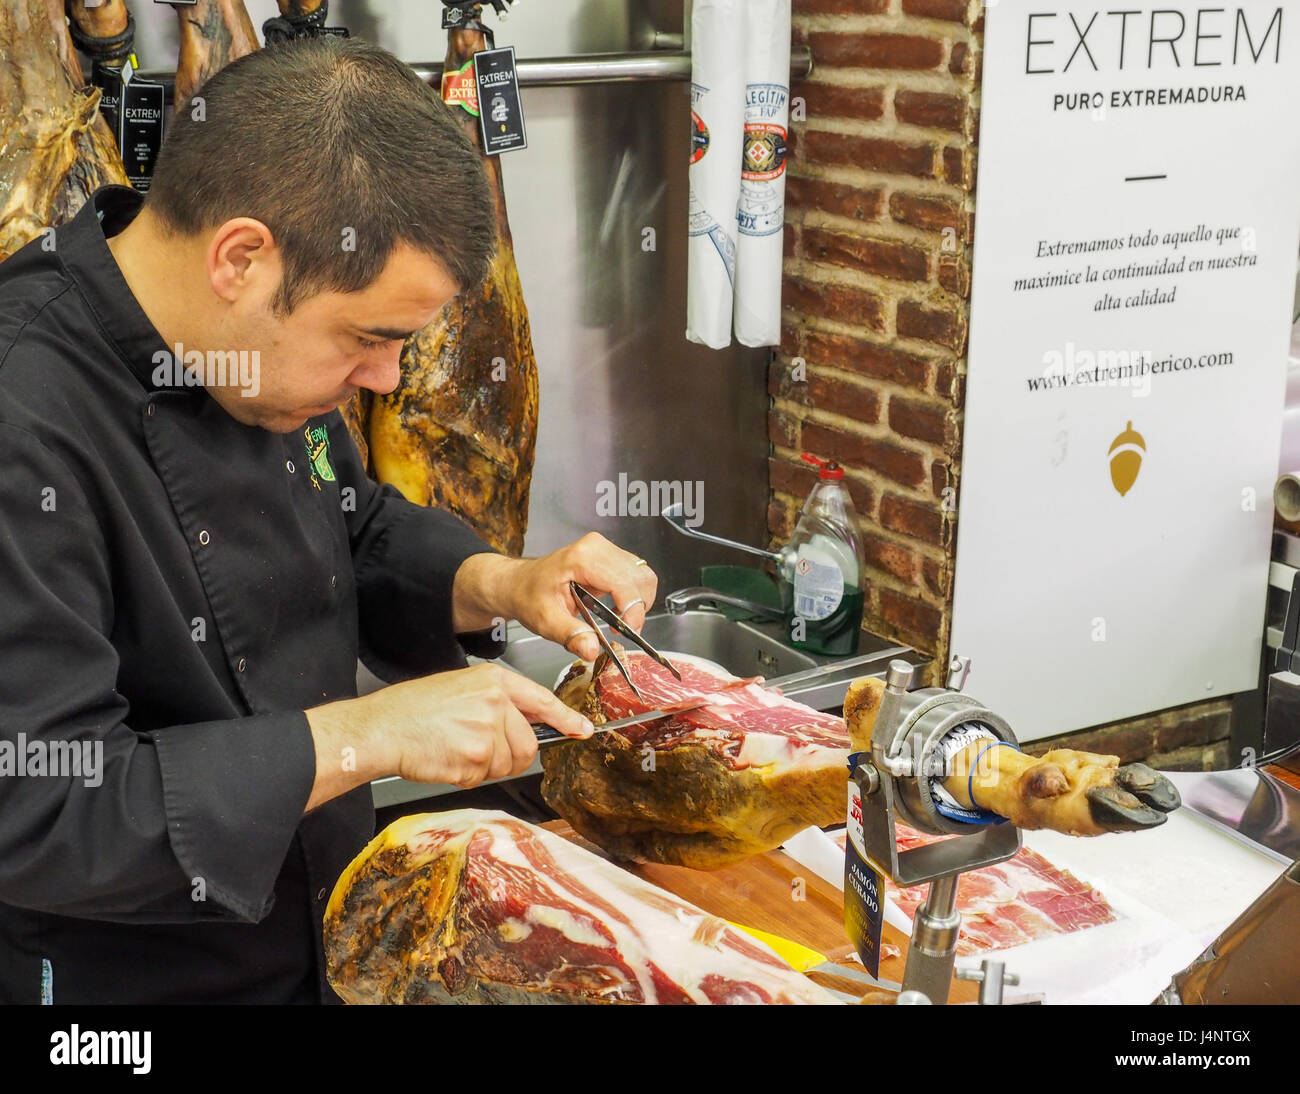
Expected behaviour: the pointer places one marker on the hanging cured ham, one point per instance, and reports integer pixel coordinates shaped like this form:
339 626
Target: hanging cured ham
475 906
460 430
212 34
55 149
298 19
103 29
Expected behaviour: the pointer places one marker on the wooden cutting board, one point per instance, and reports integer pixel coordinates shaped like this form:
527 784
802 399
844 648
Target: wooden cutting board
1291 778
775 894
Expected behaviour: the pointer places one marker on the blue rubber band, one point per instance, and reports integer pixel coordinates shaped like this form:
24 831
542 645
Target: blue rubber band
970 775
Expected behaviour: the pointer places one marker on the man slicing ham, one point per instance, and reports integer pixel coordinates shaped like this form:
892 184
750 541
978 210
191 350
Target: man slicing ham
192 558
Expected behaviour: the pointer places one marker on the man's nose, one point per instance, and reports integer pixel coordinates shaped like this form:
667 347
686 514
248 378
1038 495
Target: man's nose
381 373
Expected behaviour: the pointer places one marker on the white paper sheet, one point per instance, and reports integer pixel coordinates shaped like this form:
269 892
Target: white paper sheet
1175 889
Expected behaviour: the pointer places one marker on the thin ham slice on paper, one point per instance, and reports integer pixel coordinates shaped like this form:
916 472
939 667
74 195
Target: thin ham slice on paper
1011 903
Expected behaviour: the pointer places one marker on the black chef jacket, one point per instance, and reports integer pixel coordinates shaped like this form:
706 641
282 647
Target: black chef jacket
178 588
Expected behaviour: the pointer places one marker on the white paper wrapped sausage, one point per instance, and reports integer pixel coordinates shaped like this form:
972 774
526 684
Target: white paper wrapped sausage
717 132
760 216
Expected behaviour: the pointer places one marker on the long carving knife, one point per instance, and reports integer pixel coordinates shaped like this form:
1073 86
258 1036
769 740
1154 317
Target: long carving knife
549 735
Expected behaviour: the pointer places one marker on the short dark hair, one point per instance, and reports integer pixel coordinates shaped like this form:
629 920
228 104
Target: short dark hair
316 136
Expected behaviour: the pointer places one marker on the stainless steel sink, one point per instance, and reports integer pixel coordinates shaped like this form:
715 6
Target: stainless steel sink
741 648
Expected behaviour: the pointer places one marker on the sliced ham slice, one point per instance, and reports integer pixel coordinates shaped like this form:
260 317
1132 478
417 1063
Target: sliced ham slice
475 906
706 787
1010 903
745 724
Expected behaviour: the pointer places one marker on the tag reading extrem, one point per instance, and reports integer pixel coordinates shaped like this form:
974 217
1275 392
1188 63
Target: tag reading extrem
501 114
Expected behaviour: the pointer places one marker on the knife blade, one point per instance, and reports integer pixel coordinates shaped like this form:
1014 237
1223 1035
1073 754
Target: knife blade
549 735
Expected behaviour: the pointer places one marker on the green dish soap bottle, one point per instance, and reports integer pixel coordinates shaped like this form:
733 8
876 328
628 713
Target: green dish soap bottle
822 569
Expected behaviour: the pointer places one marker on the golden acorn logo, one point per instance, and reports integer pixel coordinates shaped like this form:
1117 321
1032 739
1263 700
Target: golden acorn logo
1126 452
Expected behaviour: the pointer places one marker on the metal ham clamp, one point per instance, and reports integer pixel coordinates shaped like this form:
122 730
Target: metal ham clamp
934 759
892 782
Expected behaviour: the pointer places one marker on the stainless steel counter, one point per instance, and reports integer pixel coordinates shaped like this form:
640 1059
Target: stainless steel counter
1247 804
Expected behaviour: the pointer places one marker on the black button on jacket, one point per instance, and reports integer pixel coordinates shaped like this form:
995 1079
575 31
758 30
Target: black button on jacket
175 589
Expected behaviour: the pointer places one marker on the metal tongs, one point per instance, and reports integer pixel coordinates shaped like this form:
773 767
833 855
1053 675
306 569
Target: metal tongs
588 603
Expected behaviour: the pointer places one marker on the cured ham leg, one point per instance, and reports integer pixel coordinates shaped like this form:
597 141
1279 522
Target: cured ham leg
103 30
1078 793
298 9
101 20
705 787
298 19
478 907
55 149
212 34
461 428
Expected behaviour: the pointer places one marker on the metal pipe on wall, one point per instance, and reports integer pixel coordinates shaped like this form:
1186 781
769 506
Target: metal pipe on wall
593 68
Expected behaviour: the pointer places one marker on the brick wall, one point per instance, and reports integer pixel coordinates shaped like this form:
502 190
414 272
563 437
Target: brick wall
1188 738
871 367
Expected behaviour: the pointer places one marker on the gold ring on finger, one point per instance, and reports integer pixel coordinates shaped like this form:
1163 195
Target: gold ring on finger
641 562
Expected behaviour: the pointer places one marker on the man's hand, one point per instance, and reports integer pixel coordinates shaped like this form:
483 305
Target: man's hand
459 727
536 591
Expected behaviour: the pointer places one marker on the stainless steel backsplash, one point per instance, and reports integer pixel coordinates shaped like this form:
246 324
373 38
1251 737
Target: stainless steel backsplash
622 391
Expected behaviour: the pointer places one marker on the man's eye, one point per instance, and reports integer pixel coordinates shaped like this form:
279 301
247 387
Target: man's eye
367 343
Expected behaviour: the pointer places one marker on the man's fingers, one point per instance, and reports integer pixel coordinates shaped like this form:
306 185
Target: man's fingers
605 568
562 624
582 642
502 763
536 704
521 740
633 610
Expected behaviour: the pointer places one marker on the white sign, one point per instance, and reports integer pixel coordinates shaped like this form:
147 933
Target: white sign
1137 216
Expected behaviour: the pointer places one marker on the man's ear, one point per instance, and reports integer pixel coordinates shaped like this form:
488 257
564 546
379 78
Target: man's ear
242 257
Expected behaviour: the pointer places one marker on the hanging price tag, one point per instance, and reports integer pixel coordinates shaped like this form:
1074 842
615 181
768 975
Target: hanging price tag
108 78
139 126
501 114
